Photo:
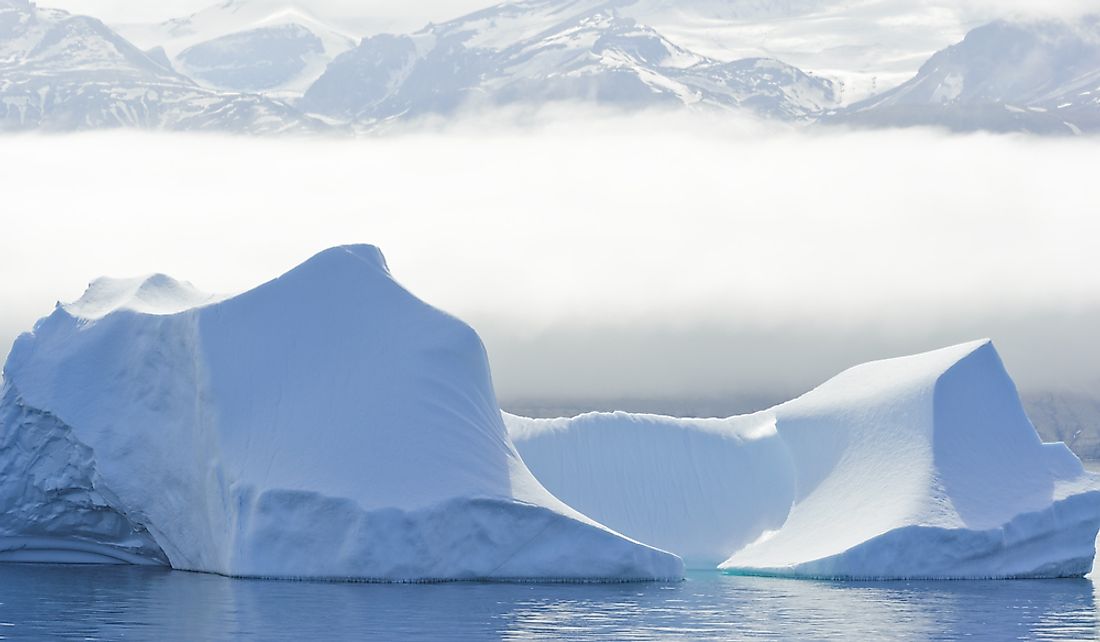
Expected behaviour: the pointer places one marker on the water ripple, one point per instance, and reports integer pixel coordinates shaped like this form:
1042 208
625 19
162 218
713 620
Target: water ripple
110 603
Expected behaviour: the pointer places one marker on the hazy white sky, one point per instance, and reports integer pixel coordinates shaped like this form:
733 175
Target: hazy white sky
621 256
418 12
409 14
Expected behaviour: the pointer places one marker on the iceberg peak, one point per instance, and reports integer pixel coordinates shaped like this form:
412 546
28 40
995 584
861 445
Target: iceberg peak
326 424
157 294
160 294
343 272
345 256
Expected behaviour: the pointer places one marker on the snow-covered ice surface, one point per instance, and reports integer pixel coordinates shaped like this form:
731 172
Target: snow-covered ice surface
153 294
918 467
327 424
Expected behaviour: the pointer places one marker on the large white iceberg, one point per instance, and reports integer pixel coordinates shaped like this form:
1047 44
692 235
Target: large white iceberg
918 467
327 424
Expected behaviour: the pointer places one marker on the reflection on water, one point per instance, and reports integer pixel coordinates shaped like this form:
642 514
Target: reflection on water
50 602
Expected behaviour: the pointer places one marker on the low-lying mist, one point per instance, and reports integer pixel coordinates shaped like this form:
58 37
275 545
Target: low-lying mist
606 256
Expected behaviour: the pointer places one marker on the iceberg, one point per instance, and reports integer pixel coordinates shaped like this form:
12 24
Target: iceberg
921 467
327 424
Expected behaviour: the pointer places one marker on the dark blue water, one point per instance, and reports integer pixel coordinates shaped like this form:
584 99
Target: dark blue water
112 603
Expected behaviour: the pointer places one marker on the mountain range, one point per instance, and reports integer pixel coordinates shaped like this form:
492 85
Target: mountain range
540 51
271 46
63 72
275 66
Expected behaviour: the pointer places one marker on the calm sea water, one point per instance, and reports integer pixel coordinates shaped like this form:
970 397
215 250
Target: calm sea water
118 603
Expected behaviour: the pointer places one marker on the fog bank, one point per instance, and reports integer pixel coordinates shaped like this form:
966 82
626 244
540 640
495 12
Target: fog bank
622 256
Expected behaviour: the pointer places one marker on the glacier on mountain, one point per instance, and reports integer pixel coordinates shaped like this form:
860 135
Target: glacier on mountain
918 467
326 424
253 60
275 46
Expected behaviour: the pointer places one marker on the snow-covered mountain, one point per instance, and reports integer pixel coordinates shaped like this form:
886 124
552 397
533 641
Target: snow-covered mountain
864 46
539 51
64 72
269 66
249 45
258 59
1041 77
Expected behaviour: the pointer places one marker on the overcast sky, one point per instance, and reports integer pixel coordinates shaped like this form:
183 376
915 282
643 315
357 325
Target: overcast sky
630 256
405 14
418 12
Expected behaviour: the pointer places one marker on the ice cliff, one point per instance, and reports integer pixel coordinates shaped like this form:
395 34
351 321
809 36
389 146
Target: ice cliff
919 467
326 424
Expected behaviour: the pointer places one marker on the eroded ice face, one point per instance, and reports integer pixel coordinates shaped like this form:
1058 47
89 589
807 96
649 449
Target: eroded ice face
918 467
325 424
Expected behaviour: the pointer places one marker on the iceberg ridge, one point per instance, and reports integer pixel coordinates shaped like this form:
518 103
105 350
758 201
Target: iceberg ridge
327 424
918 467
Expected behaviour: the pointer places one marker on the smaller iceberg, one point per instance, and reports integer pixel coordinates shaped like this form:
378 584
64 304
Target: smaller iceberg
327 424
922 467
